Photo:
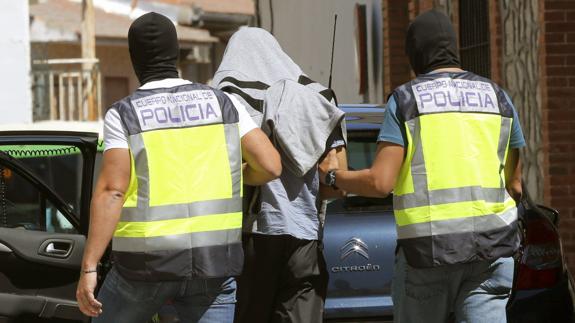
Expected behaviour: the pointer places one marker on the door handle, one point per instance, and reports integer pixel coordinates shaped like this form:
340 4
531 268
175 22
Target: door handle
4 248
58 248
52 249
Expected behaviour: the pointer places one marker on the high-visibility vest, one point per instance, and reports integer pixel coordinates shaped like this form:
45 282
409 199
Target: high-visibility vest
450 201
182 212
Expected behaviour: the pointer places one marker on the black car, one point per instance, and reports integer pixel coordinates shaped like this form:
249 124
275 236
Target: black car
46 180
45 189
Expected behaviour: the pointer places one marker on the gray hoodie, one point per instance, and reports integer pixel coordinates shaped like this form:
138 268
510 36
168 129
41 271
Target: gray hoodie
299 120
296 116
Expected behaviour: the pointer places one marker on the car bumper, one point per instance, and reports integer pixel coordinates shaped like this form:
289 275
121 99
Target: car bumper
358 308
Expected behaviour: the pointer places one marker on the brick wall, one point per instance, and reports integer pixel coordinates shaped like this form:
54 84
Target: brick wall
496 41
559 106
396 17
396 65
419 6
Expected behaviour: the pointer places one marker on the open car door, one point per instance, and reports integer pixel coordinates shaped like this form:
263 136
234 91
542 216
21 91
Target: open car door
45 191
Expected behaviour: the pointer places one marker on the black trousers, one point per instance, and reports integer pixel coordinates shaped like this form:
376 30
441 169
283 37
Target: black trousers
284 280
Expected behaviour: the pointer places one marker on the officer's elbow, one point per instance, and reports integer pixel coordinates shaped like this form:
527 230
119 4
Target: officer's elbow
382 191
380 186
274 169
515 190
113 186
264 172
114 192
277 171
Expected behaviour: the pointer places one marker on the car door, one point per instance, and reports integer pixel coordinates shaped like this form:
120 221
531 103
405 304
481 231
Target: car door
45 190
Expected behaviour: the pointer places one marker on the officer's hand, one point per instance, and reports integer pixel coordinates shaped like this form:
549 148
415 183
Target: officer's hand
328 163
85 295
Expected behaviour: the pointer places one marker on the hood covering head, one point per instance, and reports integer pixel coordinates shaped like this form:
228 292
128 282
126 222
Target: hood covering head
287 105
431 43
154 48
253 53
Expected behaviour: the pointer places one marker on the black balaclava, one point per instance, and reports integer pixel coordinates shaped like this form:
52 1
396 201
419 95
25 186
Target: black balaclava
154 48
431 43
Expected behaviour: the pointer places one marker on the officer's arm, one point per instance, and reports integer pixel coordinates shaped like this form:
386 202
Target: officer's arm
377 181
513 174
105 211
327 192
107 204
263 162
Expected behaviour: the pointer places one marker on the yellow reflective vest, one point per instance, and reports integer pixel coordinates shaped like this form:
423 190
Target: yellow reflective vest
450 201
182 213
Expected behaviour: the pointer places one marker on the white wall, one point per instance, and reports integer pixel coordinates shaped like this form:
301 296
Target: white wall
16 104
304 29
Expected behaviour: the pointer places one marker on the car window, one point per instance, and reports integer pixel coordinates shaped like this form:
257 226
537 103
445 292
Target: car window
58 166
361 148
24 206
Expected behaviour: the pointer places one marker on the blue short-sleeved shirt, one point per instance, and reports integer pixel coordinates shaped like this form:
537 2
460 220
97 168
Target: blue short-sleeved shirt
393 131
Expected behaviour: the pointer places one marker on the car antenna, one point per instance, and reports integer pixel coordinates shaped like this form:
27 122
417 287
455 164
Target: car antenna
332 49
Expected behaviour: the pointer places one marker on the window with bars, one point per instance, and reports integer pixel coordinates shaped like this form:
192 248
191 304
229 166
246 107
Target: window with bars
474 36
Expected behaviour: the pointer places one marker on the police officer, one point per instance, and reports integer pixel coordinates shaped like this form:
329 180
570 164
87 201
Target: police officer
170 191
448 147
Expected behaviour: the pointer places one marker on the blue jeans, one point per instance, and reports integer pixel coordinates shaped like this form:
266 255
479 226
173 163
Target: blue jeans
475 292
196 300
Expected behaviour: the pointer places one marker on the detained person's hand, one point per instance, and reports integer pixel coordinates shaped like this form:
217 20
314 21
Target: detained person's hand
329 162
85 295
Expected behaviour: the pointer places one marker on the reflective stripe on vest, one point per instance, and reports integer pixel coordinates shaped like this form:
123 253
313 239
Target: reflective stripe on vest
452 183
185 190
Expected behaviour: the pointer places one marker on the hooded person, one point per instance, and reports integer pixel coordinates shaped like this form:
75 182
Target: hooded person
169 194
448 148
278 96
284 278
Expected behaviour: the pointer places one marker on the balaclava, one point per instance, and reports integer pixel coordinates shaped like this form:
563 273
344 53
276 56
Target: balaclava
154 48
431 43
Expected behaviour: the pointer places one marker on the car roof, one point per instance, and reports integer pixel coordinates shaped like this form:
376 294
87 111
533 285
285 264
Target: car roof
357 116
363 116
58 126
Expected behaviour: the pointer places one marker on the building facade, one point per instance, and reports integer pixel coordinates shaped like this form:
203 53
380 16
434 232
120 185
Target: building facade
305 31
15 63
60 79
